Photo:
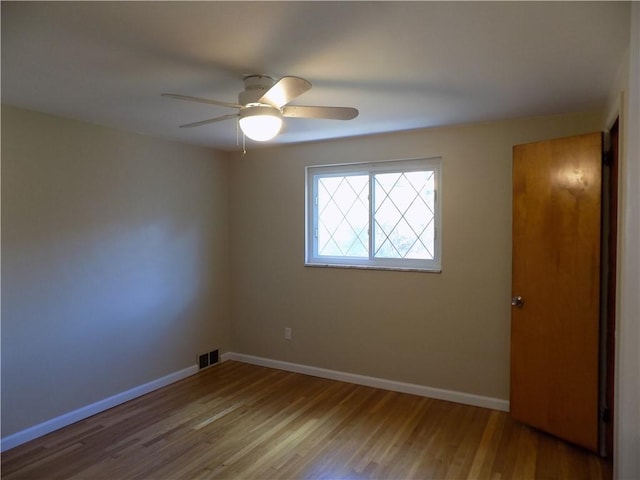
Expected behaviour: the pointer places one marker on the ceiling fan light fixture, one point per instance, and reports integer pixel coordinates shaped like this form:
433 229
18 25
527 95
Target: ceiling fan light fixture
263 104
260 122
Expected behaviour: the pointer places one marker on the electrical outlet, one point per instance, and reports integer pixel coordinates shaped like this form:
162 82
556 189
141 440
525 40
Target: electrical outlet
287 333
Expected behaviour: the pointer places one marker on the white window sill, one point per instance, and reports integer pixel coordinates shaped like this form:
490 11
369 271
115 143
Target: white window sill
372 267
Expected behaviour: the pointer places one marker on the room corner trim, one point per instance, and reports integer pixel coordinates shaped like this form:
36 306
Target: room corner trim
421 390
81 413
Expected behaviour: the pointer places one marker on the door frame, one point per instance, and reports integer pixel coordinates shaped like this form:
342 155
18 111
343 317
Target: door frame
609 288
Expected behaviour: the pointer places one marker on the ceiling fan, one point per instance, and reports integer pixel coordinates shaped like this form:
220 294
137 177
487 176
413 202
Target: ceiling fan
263 104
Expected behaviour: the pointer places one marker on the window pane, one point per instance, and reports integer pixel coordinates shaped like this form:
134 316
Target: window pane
343 216
404 215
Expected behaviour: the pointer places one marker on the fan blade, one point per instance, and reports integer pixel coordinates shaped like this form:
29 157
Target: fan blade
202 100
211 120
330 113
285 90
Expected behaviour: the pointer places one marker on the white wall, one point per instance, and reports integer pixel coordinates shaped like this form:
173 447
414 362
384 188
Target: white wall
114 262
627 411
448 330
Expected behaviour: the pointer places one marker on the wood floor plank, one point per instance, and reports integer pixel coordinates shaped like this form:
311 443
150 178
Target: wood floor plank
486 449
242 421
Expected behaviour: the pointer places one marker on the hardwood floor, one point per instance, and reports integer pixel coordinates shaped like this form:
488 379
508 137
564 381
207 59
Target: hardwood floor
242 421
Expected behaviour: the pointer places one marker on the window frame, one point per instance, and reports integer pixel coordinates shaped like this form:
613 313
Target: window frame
314 172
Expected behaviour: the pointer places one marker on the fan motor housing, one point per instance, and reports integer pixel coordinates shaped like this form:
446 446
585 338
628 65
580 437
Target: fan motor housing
260 110
255 86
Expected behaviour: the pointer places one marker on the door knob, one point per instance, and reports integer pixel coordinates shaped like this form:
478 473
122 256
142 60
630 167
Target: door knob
517 301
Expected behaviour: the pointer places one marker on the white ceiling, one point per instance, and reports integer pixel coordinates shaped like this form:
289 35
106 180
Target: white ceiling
404 65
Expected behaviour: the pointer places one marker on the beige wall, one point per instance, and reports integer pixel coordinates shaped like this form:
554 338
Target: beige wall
114 262
448 330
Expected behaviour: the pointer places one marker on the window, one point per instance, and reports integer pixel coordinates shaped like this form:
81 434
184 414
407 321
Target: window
375 215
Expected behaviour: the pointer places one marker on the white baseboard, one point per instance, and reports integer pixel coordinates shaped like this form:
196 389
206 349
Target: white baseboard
421 390
49 426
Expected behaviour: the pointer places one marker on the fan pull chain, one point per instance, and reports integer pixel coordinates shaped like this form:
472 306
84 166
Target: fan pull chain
244 147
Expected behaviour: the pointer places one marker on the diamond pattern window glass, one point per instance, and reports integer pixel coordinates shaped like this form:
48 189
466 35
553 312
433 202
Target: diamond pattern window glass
404 211
343 216
377 215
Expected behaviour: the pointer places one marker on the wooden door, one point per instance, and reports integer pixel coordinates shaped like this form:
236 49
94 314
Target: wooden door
556 272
